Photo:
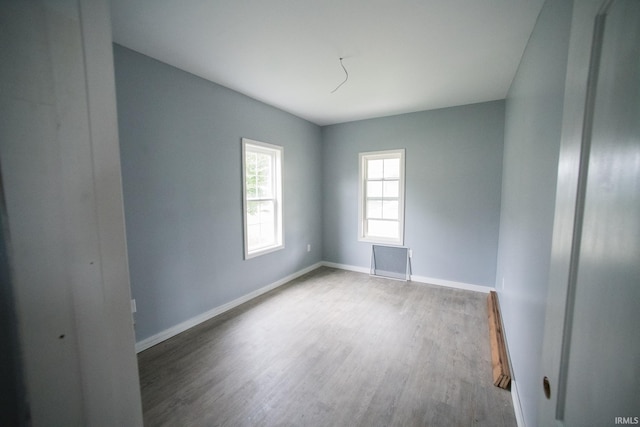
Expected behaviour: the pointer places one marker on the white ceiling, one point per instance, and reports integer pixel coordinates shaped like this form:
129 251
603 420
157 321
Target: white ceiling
401 55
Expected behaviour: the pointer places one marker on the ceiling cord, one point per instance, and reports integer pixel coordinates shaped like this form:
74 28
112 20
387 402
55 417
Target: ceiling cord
346 76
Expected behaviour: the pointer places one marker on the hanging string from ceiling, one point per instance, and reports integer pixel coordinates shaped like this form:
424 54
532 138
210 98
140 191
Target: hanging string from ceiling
346 74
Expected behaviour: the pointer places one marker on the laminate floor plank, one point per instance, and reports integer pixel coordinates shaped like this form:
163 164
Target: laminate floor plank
331 348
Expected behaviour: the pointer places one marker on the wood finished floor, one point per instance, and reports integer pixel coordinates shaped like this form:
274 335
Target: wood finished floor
332 348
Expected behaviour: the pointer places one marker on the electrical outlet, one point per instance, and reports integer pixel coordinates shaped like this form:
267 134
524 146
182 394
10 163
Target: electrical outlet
133 306
410 253
309 247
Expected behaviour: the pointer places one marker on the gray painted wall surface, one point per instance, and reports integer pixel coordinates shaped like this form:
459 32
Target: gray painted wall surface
180 142
533 119
453 181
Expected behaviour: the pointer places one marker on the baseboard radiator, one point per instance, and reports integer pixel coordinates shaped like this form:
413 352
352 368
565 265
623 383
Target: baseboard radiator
392 262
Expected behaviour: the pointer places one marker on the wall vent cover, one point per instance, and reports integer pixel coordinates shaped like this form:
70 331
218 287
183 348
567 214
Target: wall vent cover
392 262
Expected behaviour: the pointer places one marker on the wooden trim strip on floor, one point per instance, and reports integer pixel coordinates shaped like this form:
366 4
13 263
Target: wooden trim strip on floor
499 358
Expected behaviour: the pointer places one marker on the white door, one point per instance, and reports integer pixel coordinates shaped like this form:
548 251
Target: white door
592 336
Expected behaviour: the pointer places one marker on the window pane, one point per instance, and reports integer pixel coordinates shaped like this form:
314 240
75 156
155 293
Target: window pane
374 189
374 208
252 213
260 224
386 229
391 168
251 175
390 209
374 169
264 184
391 188
253 232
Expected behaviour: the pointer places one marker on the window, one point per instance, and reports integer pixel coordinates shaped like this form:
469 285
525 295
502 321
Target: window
382 197
262 191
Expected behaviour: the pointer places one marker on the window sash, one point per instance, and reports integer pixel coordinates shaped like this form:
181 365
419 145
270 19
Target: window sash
389 209
261 224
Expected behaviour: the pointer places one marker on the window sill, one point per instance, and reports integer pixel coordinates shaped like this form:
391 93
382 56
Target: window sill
264 251
382 241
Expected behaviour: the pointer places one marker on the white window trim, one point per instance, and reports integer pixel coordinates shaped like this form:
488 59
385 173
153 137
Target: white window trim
363 157
278 197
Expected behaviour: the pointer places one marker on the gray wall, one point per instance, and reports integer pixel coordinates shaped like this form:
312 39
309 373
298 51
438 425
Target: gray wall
532 140
180 142
453 181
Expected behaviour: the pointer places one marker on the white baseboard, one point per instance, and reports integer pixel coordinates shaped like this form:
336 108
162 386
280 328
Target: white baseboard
451 284
515 395
190 323
517 408
419 279
345 267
